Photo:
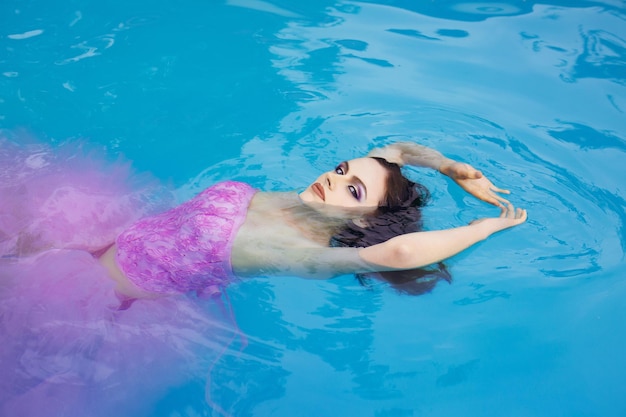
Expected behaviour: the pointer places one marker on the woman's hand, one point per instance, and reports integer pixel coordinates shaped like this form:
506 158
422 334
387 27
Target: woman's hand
465 175
509 217
474 182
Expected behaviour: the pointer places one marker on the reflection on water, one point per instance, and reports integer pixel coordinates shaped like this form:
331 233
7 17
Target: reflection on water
586 137
604 56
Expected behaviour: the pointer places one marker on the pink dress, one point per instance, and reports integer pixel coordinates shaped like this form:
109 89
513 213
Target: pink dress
66 337
188 247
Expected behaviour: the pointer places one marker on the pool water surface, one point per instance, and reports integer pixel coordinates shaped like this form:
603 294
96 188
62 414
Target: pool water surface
272 93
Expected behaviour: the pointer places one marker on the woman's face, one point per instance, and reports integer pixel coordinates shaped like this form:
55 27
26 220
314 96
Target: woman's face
358 185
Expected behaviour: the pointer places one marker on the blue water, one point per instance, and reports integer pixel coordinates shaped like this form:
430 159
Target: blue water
273 92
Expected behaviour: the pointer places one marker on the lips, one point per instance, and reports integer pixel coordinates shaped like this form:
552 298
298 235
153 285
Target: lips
319 190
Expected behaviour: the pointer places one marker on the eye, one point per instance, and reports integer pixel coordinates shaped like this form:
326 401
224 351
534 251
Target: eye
356 193
339 169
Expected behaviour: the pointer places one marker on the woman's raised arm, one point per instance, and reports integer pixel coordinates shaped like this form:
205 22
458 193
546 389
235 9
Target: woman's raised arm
409 153
415 250
465 175
408 251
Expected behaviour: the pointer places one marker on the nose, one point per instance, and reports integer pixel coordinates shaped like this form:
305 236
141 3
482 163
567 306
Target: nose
329 182
333 179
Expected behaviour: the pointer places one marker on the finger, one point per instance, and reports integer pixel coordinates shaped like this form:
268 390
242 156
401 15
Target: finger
477 174
491 199
510 211
521 214
497 203
495 200
501 200
499 190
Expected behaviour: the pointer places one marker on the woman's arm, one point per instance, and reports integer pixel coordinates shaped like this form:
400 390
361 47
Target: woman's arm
409 153
465 175
409 251
419 249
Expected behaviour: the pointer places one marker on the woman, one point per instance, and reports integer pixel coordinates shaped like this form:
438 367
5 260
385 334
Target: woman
232 229
66 336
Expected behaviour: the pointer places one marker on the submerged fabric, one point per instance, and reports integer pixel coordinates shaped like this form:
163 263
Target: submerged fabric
67 339
68 197
188 247
66 342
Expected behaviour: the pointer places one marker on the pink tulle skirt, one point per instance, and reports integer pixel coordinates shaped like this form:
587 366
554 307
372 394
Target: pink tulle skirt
68 197
69 344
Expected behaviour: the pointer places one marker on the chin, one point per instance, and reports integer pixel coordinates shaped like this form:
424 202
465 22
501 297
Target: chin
307 196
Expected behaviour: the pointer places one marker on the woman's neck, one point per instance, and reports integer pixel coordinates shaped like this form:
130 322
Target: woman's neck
309 222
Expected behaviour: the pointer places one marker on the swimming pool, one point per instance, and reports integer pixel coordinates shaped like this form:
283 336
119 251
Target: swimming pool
271 92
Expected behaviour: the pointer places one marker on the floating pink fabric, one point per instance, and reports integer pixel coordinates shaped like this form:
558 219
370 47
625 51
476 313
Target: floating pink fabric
70 346
68 197
68 350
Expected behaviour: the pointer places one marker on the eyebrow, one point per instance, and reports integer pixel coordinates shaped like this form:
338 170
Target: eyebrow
357 180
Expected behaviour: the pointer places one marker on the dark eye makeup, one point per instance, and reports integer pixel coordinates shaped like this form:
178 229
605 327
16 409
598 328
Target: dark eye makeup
356 191
341 169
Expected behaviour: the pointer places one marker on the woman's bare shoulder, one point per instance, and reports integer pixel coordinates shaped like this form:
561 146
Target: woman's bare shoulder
281 236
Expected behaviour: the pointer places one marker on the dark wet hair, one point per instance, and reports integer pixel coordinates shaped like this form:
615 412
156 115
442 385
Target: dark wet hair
399 213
